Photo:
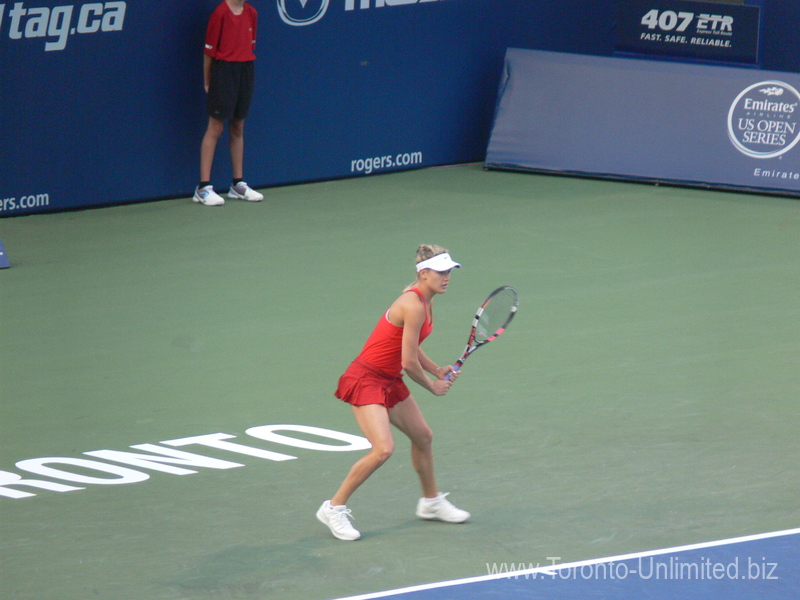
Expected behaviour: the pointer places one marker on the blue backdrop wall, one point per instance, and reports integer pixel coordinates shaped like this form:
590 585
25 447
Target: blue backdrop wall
102 102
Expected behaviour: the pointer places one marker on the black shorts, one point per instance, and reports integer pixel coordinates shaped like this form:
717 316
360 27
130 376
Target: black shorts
231 89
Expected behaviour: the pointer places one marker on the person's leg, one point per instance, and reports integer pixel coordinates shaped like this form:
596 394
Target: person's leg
204 193
243 86
407 417
236 134
373 420
243 82
433 505
209 146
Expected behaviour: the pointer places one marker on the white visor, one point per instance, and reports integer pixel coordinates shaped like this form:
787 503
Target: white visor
440 262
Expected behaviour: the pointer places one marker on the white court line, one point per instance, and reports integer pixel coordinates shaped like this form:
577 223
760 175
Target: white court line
551 569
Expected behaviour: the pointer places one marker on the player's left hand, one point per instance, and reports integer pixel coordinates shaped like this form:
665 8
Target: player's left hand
449 369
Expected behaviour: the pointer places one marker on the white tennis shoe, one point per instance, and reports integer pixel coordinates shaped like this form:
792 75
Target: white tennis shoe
242 191
440 509
206 195
337 518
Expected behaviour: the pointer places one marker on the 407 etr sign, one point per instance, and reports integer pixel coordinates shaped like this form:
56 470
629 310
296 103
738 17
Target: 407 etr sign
704 30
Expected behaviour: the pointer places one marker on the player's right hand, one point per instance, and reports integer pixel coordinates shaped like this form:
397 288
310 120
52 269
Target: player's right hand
440 387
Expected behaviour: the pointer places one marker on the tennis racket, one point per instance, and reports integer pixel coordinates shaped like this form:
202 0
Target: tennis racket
490 321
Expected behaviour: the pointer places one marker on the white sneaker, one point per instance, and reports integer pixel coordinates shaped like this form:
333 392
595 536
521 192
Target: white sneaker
440 509
337 518
206 195
242 191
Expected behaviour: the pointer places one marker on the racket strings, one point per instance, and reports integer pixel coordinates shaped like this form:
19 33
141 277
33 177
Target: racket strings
495 314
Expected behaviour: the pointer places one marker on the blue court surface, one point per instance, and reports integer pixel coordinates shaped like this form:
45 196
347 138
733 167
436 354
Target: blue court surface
746 568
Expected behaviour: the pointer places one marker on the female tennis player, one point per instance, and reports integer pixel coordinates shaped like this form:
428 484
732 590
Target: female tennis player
373 386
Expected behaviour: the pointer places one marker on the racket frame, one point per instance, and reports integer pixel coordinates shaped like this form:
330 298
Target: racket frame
473 345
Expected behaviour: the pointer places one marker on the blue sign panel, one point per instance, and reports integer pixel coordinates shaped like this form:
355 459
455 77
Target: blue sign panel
648 120
706 30
4 262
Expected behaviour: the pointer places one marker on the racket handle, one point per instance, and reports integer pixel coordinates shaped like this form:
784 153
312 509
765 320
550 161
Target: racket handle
456 367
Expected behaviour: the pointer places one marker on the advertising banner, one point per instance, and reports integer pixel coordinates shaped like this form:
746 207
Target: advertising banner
705 30
102 101
728 128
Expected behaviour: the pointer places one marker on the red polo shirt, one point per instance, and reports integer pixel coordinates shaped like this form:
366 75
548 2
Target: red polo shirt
231 37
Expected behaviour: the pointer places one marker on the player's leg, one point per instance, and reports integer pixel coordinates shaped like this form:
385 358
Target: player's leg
374 423
373 420
407 417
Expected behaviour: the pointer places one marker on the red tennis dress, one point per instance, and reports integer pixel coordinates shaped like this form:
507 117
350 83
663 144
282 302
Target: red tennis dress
376 375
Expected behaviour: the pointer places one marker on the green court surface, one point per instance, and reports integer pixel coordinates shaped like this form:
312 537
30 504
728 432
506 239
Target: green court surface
645 396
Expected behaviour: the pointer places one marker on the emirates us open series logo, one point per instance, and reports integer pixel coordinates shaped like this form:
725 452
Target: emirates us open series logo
763 120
